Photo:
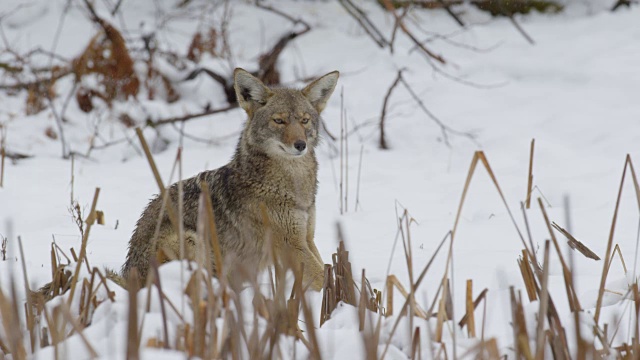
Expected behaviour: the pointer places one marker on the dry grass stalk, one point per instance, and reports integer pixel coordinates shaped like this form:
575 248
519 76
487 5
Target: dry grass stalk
133 340
362 304
636 326
544 303
479 156
442 352
10 317
169 206
476 302
328 295
338 282
416 349
521 337
616 249
607 257
156 279
575 244
442 315
83 248
213 233
530 177
78 329
393 282
415 287
471 322
343 275
574 303
31 318
527 275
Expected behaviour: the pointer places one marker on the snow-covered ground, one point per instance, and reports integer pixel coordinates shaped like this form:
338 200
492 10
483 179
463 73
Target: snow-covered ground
575 91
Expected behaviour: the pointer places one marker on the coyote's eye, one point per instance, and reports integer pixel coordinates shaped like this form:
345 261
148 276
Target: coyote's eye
305 120
278 121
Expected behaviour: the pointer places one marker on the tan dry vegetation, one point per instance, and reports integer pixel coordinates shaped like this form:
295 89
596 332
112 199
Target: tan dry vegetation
218 327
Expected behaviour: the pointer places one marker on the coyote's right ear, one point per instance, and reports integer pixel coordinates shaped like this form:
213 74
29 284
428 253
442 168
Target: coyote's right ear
250 91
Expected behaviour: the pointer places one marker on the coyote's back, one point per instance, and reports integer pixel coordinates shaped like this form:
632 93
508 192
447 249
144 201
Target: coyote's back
273 172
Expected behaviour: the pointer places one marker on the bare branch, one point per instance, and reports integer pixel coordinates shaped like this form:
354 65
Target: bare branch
366 24
190 116
402 26
383 114
443 127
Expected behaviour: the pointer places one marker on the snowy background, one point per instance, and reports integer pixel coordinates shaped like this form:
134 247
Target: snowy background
575 91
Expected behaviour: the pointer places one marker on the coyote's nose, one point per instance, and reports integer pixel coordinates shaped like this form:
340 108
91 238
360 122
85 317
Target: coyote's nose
300 145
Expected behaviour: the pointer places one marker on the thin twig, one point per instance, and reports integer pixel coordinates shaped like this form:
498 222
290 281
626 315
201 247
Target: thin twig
443 128
190 116
366 24
383 114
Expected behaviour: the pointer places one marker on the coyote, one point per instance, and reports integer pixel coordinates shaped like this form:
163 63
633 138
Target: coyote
273 172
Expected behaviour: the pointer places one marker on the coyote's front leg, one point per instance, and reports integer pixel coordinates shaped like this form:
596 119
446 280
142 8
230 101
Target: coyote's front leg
311 227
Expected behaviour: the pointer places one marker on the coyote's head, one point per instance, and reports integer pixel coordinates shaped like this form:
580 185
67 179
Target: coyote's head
282 122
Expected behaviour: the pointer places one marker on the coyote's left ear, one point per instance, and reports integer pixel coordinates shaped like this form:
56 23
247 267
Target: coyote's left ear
319 91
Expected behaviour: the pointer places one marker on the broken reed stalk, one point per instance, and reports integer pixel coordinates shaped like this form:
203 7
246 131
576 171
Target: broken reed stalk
471 322
415 345
156 280
607 257
133 340
10 317
78 329
636 327
362 304
415 288
476 302
31 320
530 177
574 303
527 275
519 324
83 247
406 243
392 281
544 303
575 244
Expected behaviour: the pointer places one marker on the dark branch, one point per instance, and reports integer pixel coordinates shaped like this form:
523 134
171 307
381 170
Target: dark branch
383 114
190 116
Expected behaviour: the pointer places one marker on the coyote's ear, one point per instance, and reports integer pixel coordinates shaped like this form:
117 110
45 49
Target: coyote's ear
319 91
250 91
